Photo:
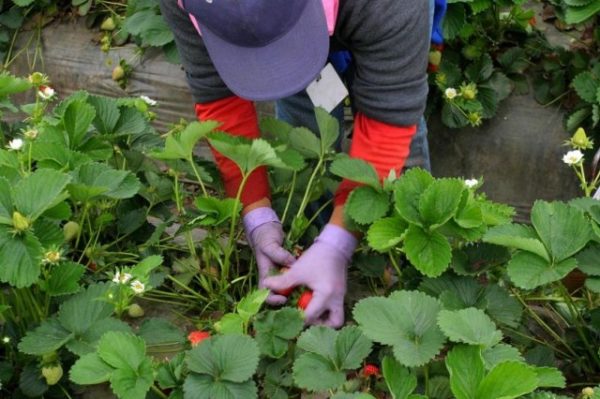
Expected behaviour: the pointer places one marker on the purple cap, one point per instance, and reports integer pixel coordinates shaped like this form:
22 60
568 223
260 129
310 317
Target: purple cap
264 49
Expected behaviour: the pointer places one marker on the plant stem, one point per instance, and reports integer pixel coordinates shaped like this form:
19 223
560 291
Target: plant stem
578 322
195 169
426 377
307 193
159 392
290 196
543 324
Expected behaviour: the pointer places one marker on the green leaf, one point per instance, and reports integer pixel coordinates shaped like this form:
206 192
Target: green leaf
6 202
587 260
95 180
250 305
203 387
229 357
386 233
576 15
407 193
593 284
500 353
320 340
586 86
85 308
47 338
247 155
20 258
529 271
562 228
329 128
550 377
517 236
366 204
40 191
122 350
107 113
315 373
181 145
428 251
275 329
86 342
90 369
465 366
10 84
470 326
501 306
351 348
76 120
230 323
439 201
217 211
407 321
158 331
64 278
357 170
143 269
133 383
508 380
306 142
399 380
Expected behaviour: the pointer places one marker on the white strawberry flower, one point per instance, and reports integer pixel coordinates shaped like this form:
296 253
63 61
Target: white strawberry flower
573 157
471 182
148 101
15 144
121 278
137 286
46 92
450 93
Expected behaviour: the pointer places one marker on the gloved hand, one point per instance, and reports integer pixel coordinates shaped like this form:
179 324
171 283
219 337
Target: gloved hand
322 268
437 34
265 236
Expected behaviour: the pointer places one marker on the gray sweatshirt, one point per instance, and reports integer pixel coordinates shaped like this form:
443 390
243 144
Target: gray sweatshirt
388 40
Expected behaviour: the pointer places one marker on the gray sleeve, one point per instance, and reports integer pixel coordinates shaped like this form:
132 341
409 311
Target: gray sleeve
389 41
202 77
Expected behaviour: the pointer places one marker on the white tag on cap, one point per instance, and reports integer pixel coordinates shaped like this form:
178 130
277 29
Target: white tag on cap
327 90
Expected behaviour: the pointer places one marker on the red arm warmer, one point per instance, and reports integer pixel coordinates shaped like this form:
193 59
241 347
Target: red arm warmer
384 146
238 118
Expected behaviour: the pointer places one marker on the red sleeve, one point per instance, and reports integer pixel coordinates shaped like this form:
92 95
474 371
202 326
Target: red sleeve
384 146
238 118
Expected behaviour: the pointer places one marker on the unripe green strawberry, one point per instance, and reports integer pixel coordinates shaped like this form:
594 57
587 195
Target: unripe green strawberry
20 222
435 57
52 374
118 73
71 230
471 52
587 392
108 24
580 140
134 310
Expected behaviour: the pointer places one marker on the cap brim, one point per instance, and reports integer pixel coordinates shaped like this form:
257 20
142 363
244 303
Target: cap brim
279 69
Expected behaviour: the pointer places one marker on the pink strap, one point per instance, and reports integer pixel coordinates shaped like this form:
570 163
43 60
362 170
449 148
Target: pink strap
331 8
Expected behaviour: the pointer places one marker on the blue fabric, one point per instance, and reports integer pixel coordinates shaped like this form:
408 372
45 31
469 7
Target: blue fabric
437 32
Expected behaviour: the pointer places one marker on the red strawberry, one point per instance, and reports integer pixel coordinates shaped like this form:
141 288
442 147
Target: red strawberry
195 337
305 299
287 291
370 370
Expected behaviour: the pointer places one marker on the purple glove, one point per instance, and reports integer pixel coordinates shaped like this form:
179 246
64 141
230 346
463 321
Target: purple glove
265 236
322 268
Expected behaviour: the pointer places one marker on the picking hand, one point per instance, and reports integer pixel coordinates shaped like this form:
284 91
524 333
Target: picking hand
265 236
322 268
